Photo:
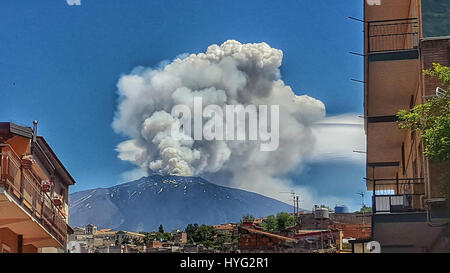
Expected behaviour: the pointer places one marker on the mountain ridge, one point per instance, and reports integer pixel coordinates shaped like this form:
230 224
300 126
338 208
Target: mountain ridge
173 201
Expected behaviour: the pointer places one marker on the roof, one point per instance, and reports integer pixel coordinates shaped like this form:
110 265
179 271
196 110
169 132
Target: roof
131 233
306 233
224 227
41 141
284 238
105 230
12 128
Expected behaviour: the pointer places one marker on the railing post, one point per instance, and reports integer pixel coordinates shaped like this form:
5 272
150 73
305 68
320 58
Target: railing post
368 37
374 199
390 203
21 184
397 183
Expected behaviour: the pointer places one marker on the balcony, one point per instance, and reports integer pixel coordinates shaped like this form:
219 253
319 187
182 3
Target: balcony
397 195
393 39
401 219
31 210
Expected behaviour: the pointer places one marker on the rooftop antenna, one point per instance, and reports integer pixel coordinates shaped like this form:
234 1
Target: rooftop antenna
292 193
295 199
361 193
357 54
362 203
356 19
360 81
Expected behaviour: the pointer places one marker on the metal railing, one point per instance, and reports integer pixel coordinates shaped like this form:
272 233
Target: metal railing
392 35
25 186
397 195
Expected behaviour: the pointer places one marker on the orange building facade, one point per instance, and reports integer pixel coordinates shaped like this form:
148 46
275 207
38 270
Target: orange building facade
34 193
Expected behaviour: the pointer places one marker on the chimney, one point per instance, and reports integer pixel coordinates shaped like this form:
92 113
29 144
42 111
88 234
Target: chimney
33 141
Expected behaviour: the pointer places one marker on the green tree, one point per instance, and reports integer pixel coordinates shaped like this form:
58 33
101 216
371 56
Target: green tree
204 234
190 231
365 209
224 238
161 229
432 120
270 224
285 220
248 218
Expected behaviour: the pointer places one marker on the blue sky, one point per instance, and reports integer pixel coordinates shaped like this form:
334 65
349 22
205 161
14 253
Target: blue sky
59 64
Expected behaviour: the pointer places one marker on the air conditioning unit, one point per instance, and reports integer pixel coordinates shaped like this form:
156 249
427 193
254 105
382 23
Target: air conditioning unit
438 208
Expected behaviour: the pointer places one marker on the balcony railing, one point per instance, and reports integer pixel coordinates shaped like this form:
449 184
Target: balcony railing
25 186
392 35
397 195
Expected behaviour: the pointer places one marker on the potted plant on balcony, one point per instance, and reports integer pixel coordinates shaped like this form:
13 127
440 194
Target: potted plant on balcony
46 186
27 162
57 199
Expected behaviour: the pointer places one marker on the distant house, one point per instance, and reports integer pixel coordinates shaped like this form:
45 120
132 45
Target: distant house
180 237
225 228
353 225
93 240
257 241
91 229
122 235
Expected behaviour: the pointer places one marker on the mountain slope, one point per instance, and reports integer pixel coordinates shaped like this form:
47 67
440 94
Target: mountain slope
173 201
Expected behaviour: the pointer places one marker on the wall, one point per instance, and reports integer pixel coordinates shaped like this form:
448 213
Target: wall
352 224
9 238
434 51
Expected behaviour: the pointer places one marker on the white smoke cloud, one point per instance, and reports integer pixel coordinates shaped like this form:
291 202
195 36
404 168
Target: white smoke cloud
229 74
338 137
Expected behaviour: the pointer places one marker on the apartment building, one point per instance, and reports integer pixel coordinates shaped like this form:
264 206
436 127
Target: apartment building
34 193
401 39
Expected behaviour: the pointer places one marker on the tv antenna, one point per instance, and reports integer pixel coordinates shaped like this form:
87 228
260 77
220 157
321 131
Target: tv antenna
295 200
361 193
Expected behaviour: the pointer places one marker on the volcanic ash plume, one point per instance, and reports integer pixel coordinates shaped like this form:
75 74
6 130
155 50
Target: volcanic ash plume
229 74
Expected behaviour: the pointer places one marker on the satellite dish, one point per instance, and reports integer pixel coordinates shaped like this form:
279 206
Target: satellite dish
73 247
